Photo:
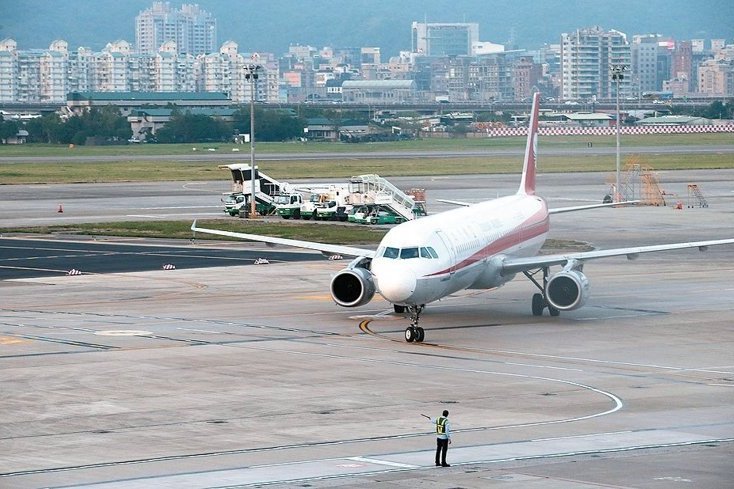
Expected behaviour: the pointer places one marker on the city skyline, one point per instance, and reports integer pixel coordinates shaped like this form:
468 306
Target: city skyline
526 23
176 49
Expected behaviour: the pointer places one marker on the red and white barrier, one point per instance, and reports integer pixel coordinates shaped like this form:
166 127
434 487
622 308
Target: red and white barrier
611 131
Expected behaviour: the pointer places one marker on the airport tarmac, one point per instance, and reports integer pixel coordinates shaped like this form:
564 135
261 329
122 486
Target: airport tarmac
251 376
39 204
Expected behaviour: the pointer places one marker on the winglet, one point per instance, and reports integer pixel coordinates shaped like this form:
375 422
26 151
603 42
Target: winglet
527 184
193 225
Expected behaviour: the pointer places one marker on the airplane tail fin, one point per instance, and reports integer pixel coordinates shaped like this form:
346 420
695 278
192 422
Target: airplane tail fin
527 184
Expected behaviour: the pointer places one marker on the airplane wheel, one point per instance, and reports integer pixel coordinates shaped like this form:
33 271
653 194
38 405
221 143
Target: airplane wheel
553 311
398 309
538 305
410 334
421 334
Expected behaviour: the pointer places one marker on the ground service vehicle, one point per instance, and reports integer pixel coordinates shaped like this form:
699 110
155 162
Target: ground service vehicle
233 203
238 204
326 211
332 211
356 215
289 205
308 208
383 217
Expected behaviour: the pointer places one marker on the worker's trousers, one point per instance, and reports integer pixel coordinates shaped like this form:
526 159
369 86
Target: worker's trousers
442 446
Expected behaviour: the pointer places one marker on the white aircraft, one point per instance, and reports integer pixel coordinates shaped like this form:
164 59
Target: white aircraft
475 246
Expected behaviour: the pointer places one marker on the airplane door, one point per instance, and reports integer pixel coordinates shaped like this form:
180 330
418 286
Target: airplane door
448 245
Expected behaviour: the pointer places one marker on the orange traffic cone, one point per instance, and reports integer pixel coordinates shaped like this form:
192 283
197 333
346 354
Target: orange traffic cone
61 208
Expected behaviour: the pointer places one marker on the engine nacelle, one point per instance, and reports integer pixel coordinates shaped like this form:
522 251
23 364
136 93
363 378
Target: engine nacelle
352 287
567 290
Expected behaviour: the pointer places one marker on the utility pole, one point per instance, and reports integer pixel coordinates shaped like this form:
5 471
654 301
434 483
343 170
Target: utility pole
618 76
251 75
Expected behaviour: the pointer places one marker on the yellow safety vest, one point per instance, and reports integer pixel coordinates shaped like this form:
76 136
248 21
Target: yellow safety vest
441 425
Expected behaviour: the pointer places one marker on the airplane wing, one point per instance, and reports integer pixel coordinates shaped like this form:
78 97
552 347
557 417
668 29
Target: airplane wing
328 249
514 265
557 210
575 208
455 202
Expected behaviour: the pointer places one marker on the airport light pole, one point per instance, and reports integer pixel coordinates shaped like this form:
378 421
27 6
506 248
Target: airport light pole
618 76
251 75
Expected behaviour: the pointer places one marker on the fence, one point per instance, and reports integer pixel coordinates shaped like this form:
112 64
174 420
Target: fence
606 131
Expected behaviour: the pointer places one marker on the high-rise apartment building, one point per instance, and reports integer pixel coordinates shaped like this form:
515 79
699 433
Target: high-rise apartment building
369 62
644 69
33 75
225 72
79 70
8 70
192 29
111 67
526 75
683 62
716 78
587 58
464 78
444 39
53 71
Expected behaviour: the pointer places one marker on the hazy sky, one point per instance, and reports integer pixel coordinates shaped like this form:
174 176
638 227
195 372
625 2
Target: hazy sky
271 25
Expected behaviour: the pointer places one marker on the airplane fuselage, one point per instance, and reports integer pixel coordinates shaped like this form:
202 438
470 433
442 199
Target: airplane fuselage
421 261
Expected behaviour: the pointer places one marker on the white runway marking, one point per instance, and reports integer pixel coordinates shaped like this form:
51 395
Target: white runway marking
162 216
332 468
180 207
123 332
383 462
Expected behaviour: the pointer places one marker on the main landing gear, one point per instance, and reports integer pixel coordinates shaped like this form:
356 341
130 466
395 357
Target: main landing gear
414 332
540 301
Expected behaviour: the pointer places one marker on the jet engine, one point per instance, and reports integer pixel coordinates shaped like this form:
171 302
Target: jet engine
352 287
567 290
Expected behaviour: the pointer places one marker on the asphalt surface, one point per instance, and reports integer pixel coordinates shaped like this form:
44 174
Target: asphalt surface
28 258
38 205
250 376
213 156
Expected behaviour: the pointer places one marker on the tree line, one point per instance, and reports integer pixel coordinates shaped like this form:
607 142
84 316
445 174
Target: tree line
715 110
8 129
105 125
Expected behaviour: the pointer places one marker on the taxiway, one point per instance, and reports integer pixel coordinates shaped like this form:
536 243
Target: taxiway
245 376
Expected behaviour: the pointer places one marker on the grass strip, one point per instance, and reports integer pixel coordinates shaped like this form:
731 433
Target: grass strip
153 171
428 144
335 233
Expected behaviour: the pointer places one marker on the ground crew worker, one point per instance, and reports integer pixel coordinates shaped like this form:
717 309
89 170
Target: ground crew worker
443 437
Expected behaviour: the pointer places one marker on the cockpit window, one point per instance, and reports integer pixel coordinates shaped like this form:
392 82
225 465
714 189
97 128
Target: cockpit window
391 253
406 253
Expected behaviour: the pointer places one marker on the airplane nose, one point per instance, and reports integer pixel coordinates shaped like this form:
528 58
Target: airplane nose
396 285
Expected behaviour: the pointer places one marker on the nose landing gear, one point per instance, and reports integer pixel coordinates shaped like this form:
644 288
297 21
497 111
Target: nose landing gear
414 332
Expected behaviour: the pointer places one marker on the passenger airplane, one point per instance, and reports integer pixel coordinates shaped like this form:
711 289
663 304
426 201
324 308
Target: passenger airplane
475 246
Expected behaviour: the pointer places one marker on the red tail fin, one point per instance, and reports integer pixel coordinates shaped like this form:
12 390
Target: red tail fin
527 184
